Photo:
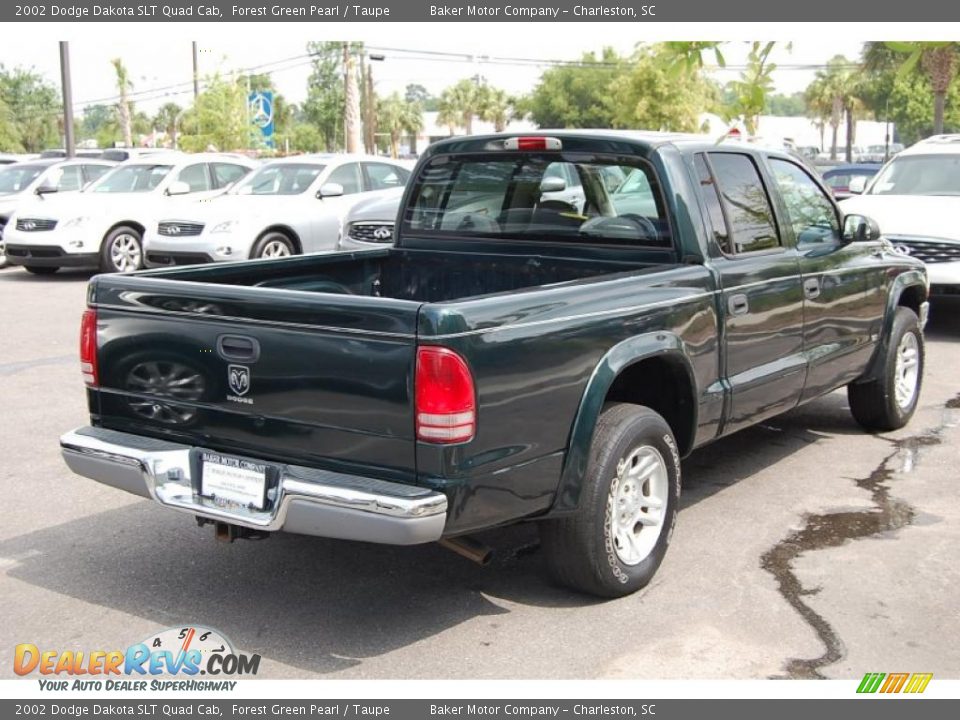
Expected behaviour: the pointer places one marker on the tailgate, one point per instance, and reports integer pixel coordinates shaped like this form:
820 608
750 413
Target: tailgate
314 378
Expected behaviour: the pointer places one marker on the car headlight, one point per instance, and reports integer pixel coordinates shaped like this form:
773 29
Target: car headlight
223 227
79 221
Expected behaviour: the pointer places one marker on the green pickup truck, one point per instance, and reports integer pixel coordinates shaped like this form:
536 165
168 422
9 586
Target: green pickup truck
563 317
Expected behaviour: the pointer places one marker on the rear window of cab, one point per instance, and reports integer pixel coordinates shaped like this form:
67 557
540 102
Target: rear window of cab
538 196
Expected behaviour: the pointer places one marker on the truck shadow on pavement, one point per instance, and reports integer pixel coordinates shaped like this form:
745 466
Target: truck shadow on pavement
324 605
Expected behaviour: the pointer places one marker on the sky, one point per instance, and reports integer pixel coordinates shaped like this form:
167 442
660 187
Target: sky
161 67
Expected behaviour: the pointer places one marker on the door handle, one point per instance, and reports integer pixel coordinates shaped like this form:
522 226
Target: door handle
237 348
738 305
811 288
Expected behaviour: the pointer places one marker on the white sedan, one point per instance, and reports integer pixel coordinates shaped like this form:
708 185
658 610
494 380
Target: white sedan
102 227
287 207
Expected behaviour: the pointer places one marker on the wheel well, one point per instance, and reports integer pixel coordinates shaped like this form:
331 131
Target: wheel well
126 223
663 385
291 235
911 297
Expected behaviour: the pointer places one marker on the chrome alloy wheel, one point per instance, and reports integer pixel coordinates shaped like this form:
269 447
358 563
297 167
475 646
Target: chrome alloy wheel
164 381
637 503
275 249
907 371
125 252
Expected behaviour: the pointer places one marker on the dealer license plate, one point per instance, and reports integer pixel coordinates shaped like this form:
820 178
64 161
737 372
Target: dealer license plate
233 480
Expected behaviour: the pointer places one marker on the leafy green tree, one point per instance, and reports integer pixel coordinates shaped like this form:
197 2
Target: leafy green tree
219 119
651 95
793 105
940 61
396 116
9 137
305 138
325 93
577 95
124 85
34 110
751 89
416 93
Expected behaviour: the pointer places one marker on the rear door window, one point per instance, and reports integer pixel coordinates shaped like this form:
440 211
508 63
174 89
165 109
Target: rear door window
506 196
381 176
745 203
68 178
225 174
349 177
196 177
92 172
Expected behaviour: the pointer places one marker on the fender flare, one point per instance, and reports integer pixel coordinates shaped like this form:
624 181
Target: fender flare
620 357
903 281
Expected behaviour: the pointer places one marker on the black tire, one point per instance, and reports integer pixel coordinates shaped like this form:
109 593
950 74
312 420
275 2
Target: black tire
40 269
581 551
875 404
128 236
273 238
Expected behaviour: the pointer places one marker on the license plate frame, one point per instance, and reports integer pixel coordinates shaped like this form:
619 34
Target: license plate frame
233 480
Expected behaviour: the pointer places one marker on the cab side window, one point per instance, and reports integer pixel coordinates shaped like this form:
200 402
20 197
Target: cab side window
812 216
745 203
71 178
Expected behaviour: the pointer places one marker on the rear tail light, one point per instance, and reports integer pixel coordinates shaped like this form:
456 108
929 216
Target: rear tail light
446 405
88 347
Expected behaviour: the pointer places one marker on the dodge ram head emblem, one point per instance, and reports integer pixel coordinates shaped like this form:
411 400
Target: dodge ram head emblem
238 378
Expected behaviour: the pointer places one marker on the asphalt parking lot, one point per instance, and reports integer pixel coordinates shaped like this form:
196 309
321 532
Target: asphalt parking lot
804 548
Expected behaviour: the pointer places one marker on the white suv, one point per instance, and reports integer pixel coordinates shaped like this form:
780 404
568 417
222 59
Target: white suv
102 227
287 207
22 181
915 200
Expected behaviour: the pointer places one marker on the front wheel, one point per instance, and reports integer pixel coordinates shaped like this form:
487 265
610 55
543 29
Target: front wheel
889 401
122 250
273 245
614 543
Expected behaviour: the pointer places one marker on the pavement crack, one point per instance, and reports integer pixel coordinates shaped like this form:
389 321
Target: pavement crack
832 529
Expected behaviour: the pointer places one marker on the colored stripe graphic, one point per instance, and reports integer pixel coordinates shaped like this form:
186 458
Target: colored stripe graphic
870 682
894 683
918 682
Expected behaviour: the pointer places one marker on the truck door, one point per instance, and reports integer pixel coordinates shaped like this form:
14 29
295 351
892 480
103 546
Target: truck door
761 292
840 307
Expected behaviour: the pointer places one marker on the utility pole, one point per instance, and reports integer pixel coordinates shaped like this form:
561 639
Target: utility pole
67 87
196 74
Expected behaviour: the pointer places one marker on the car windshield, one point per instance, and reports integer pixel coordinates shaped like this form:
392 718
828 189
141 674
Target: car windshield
132 179
17 178
919 175
519 197
285 179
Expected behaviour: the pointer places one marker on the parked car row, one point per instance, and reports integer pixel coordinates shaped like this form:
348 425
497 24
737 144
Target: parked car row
177 208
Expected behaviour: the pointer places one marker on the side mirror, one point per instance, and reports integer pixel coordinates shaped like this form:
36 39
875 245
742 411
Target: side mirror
330 190
859 228
178 187
45 189
858 183
552 184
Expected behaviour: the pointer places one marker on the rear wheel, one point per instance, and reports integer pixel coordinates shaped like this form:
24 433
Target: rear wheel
122 250
40 269
274 245
889 401
618 537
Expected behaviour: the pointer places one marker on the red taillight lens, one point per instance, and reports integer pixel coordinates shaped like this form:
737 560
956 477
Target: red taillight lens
446 406
88 348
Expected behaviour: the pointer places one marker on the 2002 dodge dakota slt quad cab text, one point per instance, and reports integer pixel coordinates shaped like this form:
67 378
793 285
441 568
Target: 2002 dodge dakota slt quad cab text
563 317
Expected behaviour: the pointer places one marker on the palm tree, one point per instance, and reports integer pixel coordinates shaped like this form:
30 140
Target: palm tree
819 105
396 116
447 112
939 60
496 107
123 106
836 86
166 119
463 101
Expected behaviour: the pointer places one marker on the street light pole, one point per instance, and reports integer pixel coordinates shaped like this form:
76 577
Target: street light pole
67 87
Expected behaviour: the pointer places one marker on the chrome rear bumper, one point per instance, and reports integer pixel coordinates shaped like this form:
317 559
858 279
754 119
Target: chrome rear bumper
305 500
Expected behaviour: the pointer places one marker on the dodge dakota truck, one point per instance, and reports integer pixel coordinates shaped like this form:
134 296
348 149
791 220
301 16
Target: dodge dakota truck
563 317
